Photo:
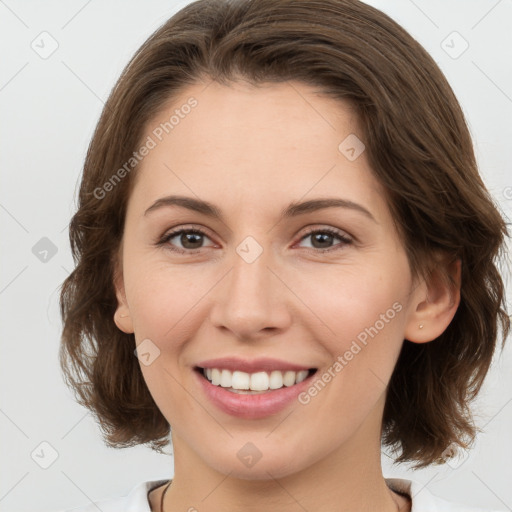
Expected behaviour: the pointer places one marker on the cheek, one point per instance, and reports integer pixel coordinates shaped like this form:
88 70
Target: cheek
361 327
162 298
353 303
163 305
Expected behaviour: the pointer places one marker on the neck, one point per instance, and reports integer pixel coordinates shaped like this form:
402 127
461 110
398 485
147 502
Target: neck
347 479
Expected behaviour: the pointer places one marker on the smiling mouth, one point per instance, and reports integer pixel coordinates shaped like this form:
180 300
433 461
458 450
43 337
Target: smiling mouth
253 383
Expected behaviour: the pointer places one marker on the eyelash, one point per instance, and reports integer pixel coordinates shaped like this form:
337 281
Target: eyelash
168 236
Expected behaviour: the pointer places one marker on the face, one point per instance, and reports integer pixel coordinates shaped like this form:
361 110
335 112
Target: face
317 288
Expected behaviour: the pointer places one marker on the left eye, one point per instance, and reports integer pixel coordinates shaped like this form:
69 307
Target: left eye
325 236
192 239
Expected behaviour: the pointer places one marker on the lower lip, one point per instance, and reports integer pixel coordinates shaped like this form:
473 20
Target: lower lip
252 406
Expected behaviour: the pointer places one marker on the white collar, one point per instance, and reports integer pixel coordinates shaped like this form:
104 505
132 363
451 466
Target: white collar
422 499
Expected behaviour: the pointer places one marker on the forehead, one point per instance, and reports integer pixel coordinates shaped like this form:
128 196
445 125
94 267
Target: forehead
252 146
224 115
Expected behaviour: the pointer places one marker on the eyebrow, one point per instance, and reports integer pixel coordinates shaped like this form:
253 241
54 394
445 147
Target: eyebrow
292 210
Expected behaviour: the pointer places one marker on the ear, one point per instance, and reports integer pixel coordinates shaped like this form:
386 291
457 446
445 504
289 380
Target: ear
122 316
435 303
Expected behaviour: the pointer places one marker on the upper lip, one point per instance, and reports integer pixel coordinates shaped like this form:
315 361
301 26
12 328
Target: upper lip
252 365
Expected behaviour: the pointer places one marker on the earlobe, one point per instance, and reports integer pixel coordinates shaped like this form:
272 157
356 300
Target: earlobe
436 303
123 320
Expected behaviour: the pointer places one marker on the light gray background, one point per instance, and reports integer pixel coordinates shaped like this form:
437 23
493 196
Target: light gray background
49 108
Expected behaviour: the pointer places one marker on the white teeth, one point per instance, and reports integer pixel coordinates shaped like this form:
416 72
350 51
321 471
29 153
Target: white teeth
276 380
215 376
225 379
289 378
240 380
302 375
259 381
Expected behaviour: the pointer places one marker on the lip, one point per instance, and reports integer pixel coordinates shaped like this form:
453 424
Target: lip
263 364
251 406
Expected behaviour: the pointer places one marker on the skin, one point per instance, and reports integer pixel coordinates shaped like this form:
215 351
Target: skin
252 151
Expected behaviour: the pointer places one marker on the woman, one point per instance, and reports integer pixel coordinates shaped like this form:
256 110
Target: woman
281 216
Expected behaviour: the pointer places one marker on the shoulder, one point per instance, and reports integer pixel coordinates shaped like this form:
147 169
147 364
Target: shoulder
135 501
424 501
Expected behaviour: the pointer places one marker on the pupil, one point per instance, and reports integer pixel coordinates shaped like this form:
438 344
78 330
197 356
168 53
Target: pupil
326 238
187 238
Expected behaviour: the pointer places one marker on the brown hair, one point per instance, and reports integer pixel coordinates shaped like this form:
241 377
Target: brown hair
418 146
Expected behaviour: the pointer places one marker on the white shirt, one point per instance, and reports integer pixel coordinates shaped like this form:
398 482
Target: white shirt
422 499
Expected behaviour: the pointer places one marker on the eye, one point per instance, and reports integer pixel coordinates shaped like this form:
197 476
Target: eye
191 240
322 238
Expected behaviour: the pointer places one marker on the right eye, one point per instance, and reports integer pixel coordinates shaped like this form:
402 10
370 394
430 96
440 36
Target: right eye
191 240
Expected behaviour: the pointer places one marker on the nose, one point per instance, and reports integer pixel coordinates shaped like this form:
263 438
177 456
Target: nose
251 299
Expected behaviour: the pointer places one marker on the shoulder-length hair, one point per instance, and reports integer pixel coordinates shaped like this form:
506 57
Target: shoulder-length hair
419 148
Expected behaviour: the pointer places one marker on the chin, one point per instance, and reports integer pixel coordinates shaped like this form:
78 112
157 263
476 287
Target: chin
248 463
260 471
